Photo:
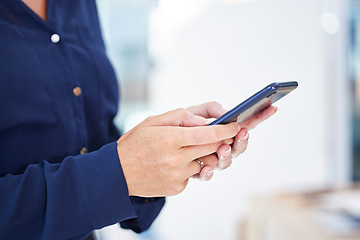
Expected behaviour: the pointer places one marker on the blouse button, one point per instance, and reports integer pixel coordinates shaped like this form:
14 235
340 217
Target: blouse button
55 38
83 150
77 91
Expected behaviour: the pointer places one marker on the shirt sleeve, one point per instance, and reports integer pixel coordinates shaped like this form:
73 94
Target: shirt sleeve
68 200
147 209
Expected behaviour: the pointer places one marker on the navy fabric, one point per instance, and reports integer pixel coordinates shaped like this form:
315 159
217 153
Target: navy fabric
48 190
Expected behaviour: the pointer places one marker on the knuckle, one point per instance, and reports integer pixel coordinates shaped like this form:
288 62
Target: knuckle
179 113
149 119
214 104
182 111
171 163
181 187
177 188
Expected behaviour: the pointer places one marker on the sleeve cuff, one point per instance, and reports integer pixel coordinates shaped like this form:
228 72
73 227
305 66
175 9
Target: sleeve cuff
104 187
147 210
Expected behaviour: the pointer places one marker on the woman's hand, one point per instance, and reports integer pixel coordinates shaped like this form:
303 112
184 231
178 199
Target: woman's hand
223 158
157 156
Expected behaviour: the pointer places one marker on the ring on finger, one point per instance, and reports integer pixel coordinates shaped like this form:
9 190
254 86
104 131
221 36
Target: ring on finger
201 163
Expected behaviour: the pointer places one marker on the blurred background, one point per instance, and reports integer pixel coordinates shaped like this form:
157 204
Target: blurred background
297 179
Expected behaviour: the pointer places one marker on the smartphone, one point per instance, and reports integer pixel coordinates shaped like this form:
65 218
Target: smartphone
256 103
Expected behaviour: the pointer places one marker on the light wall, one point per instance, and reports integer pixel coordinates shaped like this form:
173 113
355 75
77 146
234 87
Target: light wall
225 50
220 51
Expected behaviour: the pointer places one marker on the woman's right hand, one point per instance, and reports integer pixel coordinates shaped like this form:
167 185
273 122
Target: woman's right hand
158 155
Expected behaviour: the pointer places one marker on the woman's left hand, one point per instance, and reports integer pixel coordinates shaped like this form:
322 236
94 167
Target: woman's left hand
223 158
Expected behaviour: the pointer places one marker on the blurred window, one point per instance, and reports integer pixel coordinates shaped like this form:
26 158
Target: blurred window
354 61
125 29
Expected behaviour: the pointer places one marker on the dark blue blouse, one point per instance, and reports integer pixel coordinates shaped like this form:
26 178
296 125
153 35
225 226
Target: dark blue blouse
58 98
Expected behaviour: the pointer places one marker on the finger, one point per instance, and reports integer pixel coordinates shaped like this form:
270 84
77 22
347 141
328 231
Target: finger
199 151
205 174
206 134
224 155
210 160
193 169
260 117
178 188
179 117
208 110
241 142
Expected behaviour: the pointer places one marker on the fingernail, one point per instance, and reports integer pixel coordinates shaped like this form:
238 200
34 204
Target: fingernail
245 135
206 173
227 152
201 120
276 109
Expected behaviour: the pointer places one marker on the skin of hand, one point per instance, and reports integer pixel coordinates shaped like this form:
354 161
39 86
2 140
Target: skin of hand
157 156
223 158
